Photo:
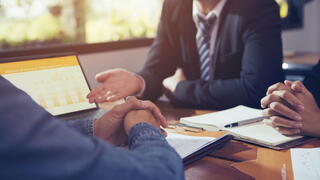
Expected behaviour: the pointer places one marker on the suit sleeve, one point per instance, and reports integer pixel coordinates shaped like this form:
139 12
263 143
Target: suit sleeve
312 82
34 145
163 56
261 66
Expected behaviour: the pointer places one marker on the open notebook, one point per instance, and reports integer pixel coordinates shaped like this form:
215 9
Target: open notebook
251 128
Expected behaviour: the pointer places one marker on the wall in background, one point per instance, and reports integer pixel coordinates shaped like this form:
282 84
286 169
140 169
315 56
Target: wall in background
131 59
308 38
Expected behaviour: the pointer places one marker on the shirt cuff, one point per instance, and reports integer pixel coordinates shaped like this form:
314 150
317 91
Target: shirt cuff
84 127
140 93
90 127
143 132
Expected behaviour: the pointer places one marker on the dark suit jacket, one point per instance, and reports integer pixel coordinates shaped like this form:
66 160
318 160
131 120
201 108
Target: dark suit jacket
312 82
248 55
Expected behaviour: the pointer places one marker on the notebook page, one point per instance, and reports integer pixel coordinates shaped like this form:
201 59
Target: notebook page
186 145
305 163
222 118
259 132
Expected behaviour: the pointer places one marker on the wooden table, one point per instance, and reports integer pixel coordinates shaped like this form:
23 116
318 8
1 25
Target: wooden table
237 160
303 58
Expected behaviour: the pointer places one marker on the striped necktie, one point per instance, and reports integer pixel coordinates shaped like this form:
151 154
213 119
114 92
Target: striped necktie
203 38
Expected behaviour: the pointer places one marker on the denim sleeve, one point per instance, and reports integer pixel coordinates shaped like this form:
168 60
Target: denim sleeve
148 143
35 145
84 126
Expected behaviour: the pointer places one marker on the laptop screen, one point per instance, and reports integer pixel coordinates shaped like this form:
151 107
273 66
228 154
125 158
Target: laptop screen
57 84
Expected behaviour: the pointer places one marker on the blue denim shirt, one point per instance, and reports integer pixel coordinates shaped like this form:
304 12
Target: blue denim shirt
34 145
84 127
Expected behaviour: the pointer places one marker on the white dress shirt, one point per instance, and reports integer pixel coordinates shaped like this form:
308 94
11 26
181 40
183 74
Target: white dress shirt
217 10
195 11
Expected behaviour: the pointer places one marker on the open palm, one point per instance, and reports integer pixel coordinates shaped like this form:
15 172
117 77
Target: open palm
115 84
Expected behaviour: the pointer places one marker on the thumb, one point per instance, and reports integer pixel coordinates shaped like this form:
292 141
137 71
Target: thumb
101 77
121 110
132 103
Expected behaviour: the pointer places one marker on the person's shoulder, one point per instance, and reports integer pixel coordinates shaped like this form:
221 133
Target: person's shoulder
249 3
174 4
250 10
251 6
176 9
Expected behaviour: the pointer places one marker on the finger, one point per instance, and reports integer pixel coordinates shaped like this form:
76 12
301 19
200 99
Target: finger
118 95
269 112
131 97
112 97
289 98
285 111
156 111
95 91
288 83
269 99
277 86
129 105
92 95
277 121
150 106
104 96
297 86
267 122
288 131
108 93
99 99
133 103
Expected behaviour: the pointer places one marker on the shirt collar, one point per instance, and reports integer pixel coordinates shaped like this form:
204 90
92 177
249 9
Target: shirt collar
216 11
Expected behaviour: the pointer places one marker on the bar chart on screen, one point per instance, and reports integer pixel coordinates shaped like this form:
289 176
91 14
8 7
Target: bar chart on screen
58 88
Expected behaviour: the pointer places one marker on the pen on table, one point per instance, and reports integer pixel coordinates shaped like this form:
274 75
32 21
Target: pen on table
186 127
241 123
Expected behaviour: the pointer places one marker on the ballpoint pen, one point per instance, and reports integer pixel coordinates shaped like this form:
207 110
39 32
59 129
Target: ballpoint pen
245 122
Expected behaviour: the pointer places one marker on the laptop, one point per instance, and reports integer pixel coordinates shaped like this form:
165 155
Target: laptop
55 82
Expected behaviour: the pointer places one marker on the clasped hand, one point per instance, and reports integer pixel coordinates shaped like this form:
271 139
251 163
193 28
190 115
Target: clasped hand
114 127
291 109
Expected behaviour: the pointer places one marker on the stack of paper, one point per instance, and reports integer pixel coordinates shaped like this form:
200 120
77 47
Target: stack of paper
186 145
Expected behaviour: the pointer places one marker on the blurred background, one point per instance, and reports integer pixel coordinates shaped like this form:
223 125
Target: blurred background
27 23
40 22
118 33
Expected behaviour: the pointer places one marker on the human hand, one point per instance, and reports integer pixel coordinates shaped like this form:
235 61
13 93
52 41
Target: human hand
283 98
303 116
110 127
171 83
116 84
141 116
